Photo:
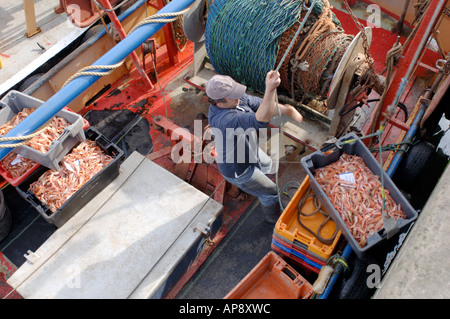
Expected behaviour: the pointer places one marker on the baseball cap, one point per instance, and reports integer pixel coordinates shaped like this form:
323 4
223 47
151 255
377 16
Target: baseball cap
221 86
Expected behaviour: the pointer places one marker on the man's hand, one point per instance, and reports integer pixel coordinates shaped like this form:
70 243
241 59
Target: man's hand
273 80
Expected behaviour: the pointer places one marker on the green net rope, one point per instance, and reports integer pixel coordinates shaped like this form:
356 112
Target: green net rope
242 36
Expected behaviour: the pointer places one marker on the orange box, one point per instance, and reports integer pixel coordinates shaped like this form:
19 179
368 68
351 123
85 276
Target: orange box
289 228
272 278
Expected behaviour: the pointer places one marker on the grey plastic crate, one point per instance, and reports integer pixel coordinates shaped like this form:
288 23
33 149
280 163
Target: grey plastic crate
15 101
318 159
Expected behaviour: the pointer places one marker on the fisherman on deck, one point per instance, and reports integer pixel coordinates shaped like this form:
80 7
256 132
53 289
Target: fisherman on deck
235 119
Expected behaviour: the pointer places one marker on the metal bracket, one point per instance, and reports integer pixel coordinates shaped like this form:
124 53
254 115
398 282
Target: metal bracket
203 229
31 256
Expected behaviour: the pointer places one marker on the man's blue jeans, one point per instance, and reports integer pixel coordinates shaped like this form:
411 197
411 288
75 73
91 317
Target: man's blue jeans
254 181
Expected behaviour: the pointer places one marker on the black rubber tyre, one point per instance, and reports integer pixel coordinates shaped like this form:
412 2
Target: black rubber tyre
415 161
354 284
5 218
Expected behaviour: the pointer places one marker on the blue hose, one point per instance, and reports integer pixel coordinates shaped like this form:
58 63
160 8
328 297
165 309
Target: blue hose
74 88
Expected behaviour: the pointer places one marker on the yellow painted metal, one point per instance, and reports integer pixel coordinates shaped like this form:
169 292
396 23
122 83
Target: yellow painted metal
30 18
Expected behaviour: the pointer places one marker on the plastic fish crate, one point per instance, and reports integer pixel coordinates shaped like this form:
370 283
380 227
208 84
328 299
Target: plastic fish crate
88 191
294 254
289 228
331 154
272 278
282 251
15 101
313 258
299 248
15 181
